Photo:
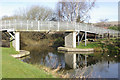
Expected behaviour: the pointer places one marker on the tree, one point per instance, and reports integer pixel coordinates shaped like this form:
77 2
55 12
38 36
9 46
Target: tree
103 23
8 17
34 13
74 11
103 20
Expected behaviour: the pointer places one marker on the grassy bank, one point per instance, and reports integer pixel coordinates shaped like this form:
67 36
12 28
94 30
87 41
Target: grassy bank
106 45
114 28
14 68
89 45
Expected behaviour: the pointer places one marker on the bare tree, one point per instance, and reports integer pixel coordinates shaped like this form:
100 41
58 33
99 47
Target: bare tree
34 13
8 17
103 20
103 23
74 11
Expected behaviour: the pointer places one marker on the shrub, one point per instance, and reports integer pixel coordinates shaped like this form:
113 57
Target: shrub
58 42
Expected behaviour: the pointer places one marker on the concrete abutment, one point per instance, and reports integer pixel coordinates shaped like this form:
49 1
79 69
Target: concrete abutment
70 39
16 42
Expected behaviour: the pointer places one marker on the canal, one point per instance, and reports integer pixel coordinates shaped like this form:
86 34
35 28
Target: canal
92 65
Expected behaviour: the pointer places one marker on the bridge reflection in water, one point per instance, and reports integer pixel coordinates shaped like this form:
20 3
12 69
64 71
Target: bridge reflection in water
92 64
75 59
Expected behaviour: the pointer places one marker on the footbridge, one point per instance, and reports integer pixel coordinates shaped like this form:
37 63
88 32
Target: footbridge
71 29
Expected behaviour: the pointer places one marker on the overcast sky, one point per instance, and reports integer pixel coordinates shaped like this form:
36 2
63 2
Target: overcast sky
102 10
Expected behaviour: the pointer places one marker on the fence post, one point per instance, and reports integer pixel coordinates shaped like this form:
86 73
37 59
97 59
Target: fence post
5 24
15 24
49 26
27 25
21 23
9 24
58 25
67 25
86 27
31 24
38 26
75 26
1 24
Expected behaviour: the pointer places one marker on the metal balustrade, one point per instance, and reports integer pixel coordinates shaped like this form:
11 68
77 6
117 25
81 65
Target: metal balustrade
32 25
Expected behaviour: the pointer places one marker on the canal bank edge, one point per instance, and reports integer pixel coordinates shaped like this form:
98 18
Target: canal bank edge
22 53
75 49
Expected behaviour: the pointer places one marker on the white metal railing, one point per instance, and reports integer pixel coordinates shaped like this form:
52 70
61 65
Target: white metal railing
32 25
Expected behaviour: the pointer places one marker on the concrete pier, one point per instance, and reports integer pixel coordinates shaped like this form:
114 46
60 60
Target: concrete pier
70 39
22 53
66 49
16 42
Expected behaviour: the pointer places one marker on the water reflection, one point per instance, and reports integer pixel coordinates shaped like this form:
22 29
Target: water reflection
93 65
76 64
52 60
76 59
70 60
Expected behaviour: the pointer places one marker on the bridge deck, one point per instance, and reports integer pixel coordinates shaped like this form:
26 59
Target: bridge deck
25 25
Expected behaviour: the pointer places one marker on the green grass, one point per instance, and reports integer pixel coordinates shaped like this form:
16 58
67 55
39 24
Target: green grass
106 45
114 28
14 68
89 45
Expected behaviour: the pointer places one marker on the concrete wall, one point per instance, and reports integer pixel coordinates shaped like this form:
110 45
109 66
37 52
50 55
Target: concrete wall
70 39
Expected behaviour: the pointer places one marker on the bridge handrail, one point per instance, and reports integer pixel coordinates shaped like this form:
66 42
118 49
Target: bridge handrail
53 25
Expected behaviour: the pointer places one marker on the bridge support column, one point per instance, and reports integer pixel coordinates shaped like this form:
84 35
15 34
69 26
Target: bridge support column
85 38
70 39
78 38
16 42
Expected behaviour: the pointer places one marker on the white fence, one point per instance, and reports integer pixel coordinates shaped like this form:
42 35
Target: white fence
29 25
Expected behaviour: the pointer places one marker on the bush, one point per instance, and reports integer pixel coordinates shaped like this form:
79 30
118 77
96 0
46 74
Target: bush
58 42
113 28
98 49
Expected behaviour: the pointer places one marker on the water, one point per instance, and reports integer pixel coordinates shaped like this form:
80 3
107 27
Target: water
94 65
